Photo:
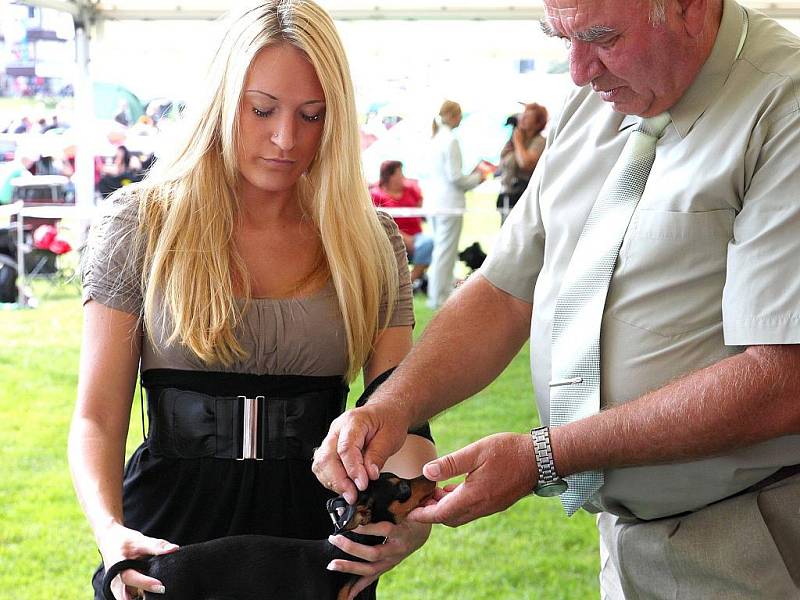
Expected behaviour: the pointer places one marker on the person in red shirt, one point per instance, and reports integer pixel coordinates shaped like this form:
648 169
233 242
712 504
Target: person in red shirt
393 190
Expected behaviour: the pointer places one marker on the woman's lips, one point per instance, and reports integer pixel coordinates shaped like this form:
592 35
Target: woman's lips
279 163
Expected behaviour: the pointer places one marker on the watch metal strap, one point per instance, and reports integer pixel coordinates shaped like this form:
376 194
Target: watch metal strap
544 455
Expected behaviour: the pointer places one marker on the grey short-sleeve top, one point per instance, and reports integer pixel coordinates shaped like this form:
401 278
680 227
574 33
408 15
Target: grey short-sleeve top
287 336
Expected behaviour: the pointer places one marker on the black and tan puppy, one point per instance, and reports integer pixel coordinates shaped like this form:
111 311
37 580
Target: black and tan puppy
259 567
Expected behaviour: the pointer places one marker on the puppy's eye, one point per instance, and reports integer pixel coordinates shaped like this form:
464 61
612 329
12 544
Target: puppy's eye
403 491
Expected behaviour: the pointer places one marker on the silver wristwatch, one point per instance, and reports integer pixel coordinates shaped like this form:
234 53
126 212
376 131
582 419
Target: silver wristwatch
549 483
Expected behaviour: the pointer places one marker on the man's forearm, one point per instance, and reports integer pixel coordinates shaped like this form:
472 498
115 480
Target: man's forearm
464 348
737 402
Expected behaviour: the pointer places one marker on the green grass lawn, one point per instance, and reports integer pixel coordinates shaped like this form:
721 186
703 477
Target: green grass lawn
47 551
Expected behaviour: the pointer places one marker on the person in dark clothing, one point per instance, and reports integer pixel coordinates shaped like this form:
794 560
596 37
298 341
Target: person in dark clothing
520 155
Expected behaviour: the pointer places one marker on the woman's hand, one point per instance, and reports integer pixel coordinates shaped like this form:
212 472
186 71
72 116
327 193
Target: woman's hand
121 543
401 541
518 137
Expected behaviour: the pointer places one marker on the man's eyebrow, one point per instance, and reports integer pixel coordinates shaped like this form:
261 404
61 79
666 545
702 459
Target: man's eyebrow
547 29
270 96
592 34
595 32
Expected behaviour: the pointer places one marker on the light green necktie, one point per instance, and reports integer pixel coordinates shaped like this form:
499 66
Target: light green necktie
575 383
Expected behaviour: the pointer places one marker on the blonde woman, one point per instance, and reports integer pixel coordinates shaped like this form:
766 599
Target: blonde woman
447 187
248 279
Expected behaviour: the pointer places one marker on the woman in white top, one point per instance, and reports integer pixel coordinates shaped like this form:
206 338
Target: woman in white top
447 186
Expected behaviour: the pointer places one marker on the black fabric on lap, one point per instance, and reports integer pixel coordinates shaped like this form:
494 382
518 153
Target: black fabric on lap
188 500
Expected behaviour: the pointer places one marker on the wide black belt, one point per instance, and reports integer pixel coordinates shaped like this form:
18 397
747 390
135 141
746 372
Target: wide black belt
197 414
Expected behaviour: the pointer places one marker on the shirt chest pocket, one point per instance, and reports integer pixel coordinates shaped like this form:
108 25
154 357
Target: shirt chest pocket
671 271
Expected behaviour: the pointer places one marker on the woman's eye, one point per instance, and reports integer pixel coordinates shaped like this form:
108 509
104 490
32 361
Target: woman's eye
262 114
312 118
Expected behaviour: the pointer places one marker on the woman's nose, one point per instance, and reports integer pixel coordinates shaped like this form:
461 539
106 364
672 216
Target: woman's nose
284 134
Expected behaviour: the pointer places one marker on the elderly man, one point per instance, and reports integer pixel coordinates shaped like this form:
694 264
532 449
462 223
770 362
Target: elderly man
652 261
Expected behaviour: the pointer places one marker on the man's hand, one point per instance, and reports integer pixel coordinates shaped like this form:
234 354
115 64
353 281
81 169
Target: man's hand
357 445
500 470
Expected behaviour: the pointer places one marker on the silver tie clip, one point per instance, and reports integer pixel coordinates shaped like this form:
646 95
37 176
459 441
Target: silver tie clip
561 382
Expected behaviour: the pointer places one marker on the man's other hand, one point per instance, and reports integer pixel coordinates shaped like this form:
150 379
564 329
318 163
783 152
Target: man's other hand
500 470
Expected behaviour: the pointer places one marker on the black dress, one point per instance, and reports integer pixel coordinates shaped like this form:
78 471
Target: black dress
184 484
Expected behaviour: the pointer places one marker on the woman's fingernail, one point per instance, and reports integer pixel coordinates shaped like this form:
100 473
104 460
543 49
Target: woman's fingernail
360 483
331 538
159 589
374 471
331 567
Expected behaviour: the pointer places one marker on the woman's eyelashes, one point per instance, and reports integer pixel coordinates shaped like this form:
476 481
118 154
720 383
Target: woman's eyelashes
263 114
267 112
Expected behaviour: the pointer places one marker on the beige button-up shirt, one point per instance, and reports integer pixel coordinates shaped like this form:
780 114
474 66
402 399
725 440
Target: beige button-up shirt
709 263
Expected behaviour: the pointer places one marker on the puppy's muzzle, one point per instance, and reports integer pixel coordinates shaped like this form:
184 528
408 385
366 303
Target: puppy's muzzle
342 514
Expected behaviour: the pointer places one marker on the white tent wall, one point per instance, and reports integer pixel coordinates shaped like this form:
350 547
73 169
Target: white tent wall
120 35
354 9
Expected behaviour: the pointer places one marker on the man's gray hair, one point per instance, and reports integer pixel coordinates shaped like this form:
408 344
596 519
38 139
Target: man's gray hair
658 12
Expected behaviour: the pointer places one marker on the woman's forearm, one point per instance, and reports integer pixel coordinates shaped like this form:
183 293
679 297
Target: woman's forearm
96 463
109 363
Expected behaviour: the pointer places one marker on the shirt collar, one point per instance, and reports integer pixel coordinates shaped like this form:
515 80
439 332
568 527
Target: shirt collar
708 84
713 74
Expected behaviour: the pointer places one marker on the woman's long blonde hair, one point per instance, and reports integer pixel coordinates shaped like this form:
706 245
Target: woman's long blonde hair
188 204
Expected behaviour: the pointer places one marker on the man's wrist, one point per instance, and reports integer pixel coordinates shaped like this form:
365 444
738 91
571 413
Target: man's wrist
548 482
398 405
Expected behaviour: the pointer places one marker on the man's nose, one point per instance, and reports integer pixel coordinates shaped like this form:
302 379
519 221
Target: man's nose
284 135
584 64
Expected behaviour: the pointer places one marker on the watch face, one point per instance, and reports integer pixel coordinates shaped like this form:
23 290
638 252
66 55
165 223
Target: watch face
551 489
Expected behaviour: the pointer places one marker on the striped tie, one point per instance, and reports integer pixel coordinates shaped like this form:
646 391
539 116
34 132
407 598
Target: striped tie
575 386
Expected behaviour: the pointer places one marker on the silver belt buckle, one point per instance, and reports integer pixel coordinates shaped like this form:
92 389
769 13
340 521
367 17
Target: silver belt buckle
250 428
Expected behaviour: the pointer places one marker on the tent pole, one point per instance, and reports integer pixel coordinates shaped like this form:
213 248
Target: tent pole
22 297
84 114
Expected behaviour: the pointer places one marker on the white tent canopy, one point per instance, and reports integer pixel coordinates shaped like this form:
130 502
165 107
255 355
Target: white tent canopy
89 16
346 9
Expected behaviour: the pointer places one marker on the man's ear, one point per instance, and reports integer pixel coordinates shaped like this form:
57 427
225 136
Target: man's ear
694 14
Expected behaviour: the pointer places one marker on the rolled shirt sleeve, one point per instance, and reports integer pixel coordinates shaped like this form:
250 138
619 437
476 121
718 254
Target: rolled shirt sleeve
760 299
111 265
516 259
403 312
